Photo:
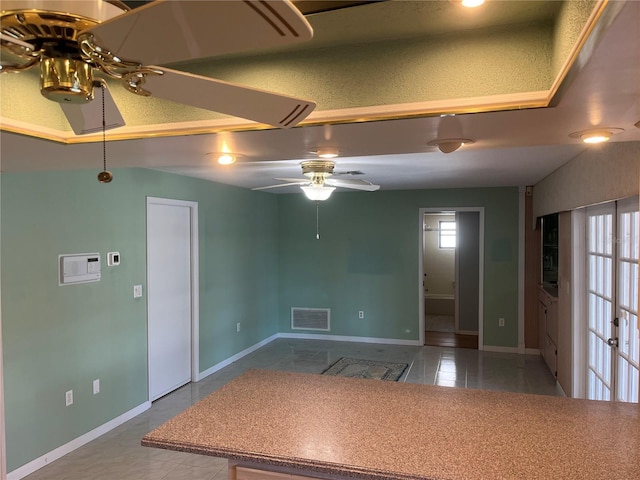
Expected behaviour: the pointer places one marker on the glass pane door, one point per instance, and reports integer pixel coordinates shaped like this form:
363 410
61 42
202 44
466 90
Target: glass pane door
613 344
628 344
600 301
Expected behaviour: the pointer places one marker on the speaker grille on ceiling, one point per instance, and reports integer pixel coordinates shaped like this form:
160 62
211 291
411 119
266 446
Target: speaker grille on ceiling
310 318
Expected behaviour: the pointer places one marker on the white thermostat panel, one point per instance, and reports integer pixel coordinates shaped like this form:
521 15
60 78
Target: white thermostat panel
113 259
79 268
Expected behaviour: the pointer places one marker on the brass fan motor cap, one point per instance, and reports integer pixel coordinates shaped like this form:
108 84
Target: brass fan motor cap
66 80
321 168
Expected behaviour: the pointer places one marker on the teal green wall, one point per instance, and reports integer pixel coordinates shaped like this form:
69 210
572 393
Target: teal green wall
367 259
258 257
60 338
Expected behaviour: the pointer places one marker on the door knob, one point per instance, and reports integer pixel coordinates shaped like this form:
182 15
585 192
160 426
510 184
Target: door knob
613 342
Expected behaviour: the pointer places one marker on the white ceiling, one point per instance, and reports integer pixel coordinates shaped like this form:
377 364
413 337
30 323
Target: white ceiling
517 147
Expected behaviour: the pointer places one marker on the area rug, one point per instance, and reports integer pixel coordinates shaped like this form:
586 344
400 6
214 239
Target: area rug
358 368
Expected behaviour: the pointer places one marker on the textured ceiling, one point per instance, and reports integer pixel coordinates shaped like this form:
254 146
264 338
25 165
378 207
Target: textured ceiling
384 53
389 60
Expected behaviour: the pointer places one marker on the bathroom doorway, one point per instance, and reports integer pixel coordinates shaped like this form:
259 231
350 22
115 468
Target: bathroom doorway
451 277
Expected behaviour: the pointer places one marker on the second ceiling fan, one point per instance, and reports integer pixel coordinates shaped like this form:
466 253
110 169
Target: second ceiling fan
318 185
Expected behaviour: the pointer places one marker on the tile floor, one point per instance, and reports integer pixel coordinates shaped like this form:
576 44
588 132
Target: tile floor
440 323
118 455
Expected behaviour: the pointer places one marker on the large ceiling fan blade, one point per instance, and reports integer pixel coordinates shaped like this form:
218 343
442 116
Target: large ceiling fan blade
303 180
237 100
350 183
281 185
87 117
164 32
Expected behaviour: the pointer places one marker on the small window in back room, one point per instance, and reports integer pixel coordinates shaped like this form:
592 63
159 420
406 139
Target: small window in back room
447 238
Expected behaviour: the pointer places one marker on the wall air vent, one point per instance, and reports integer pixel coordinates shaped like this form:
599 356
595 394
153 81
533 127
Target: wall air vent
310 318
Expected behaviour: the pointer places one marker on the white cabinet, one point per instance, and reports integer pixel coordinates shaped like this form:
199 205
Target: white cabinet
548 328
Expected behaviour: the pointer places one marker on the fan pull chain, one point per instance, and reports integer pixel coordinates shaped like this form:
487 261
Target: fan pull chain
105 176
317 220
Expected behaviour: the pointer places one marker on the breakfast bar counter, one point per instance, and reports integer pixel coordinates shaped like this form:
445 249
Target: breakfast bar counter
278 425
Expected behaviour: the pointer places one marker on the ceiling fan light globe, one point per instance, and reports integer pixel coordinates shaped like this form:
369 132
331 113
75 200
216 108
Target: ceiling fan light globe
317 193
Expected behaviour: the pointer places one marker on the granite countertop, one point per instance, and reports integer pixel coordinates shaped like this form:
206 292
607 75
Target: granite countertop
386 430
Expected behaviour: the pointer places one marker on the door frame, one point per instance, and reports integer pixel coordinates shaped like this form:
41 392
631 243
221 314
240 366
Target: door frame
421 320
195 282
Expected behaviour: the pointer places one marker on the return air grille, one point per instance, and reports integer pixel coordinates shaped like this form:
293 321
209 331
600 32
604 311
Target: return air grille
310 318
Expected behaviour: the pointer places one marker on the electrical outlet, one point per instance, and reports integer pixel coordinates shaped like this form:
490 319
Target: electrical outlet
137 291
96 386
361 314
238 327
501 322
68 398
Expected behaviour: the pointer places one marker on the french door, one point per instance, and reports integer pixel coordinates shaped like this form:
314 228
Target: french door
613 354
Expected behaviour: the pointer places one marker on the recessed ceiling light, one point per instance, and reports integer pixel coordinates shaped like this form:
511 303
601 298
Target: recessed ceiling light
472 3
225 158
596 135
327 152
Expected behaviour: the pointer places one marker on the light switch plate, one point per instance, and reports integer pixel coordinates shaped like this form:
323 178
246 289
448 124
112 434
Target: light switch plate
137 291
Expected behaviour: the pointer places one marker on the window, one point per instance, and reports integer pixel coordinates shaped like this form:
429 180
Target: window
447 237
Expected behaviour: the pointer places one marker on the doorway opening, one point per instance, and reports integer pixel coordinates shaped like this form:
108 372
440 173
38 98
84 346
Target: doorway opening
451 272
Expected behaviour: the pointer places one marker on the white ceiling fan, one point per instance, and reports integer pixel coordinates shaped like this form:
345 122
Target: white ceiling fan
318 185
77 43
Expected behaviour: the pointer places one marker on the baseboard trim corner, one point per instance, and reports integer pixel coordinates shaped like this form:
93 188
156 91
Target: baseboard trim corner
235 357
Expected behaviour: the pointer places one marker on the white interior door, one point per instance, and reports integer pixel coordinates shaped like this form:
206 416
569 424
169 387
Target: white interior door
600 300
169 295
613 347
627 337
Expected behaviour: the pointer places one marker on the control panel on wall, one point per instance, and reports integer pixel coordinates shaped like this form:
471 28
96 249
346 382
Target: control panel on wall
79 268
113 259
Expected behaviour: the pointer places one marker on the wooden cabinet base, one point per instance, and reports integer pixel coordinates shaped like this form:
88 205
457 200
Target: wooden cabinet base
248 471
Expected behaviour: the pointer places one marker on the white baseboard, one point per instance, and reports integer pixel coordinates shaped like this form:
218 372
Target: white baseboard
235 357
560 389
76 443
343 338
494 348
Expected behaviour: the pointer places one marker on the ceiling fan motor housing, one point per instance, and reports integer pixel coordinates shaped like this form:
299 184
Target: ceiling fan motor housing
65 76
317 170
66 80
